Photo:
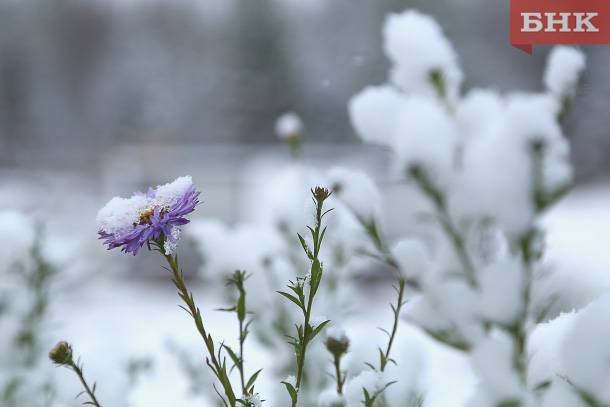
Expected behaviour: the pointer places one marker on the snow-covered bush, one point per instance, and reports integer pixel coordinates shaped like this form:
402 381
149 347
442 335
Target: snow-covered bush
489 164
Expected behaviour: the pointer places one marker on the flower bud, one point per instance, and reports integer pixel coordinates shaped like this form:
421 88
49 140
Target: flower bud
320 194
61 353
337 342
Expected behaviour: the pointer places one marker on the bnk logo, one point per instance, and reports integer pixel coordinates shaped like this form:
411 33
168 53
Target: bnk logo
563 22
559 22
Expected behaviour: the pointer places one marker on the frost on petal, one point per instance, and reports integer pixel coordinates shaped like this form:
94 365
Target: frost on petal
169 193
425 137
357 190
564 67
418 49
373 113
288 126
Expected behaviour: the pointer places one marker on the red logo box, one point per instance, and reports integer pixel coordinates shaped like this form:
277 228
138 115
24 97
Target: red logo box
558 22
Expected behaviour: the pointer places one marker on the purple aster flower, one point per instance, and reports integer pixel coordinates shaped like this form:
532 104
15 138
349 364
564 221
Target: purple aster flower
130 223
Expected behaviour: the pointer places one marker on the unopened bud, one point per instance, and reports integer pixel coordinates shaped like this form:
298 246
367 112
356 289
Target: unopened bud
337 342
320 194
61 353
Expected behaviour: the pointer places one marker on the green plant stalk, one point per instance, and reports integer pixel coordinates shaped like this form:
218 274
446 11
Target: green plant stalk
457 240
90 392
38 282
240 311
241 357
213 362
338 375
301 359
306 330
396 310
305 333
519 331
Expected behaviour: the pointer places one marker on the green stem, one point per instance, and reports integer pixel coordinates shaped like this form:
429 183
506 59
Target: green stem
372 231
241 358
396 309
315 277
457 240
81 377
338 375
187 297
301 359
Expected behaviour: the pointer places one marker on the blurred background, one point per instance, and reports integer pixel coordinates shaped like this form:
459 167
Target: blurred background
101 98
82 80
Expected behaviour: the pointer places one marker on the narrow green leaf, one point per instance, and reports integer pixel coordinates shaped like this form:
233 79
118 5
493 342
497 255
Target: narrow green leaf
318 329
291 298
252 379
233 355
292 392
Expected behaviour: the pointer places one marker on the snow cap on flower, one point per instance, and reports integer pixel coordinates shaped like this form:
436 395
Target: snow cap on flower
130 223
564 68
532 119
424 61
413 257
504 194
425 138
373 113
478 112
357 190
289 126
